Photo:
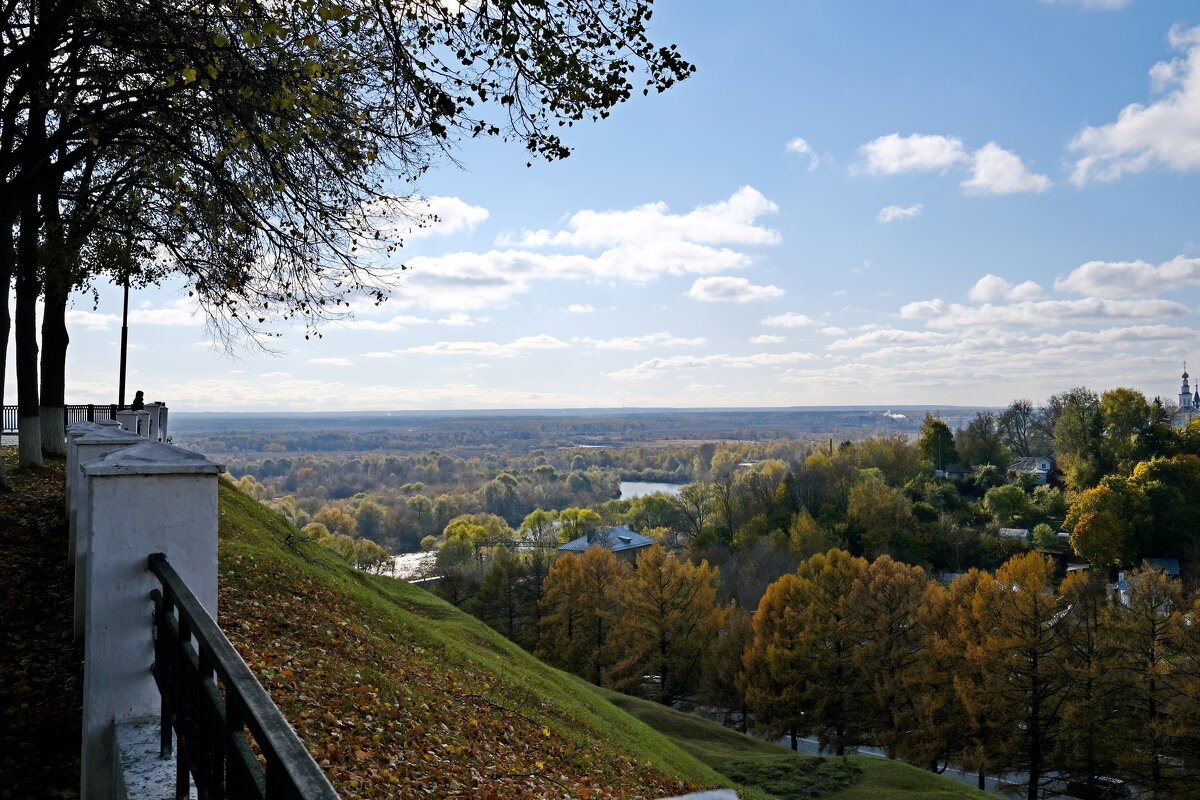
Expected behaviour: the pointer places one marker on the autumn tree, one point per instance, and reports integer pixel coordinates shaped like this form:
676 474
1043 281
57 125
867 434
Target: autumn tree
1104 522
1144 660
723 679
886 598
668 616
774 662
1088 744
802 667
1019 660
580 596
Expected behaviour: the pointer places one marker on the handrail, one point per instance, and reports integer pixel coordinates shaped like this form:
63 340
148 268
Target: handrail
83 412
191 655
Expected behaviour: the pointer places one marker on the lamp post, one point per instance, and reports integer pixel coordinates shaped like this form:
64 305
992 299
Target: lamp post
124 343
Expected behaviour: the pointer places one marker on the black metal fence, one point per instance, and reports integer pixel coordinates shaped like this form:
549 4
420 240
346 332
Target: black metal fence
77 413
214 705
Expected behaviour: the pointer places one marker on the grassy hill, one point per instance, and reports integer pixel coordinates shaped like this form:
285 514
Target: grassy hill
399 694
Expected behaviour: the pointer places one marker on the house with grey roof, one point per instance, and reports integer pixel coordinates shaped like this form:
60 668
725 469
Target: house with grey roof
621 539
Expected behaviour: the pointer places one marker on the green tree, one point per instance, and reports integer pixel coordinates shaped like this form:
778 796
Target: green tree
1077 439
1126 417
576 522
935 444
882 515
1007 503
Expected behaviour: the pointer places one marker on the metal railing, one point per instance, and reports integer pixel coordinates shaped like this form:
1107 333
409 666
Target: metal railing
211 700
76 413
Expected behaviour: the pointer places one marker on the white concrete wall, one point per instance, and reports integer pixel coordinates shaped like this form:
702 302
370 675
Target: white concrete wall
141 499
83 446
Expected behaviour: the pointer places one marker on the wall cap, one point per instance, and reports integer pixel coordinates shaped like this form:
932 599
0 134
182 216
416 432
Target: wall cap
152 458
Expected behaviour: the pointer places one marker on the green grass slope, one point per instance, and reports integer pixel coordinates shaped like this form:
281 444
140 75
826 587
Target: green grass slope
399 694
767 765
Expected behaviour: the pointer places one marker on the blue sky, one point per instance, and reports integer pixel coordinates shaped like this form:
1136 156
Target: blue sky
851 202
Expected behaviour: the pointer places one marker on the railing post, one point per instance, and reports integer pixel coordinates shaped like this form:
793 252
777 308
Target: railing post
141 499
86 441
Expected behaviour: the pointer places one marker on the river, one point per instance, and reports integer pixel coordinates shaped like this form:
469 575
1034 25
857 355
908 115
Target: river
632 489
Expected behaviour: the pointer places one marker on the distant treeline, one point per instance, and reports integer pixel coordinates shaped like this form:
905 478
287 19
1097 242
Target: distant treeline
516 434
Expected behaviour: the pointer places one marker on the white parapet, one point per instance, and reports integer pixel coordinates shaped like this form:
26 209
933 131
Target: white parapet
141 499
135 422
158 421
82 448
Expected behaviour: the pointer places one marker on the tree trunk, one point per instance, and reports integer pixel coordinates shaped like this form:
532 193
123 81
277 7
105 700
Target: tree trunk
7 257
56 289
29 421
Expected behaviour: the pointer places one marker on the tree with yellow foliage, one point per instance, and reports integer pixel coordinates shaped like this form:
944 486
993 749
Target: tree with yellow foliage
668 618
581 593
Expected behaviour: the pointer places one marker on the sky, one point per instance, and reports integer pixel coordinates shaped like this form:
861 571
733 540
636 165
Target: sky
851 202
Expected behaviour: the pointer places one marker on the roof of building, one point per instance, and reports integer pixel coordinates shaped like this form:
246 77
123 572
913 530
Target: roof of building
1029 463
1167 565
617 538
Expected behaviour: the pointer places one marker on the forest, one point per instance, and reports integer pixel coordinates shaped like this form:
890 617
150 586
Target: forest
924 594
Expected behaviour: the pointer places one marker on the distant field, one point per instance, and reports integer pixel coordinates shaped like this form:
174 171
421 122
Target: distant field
515 432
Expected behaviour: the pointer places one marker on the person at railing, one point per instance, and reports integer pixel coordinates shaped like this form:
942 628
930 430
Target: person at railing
138 403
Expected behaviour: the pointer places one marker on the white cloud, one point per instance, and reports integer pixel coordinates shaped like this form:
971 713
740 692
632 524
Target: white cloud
396 323
788 320
995 170
940 314
893 154
332 362
767 338
661 339
1105 5
643 244
1125 278
885 336
269 374
510 350
893 213
833 330
655 366
1165 132
580 308
803 148
724 289
731 221
178 313
993 287
458 318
